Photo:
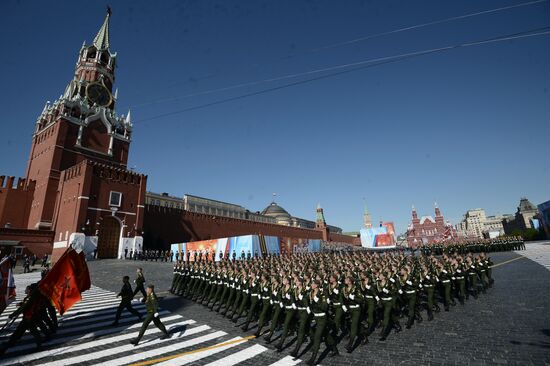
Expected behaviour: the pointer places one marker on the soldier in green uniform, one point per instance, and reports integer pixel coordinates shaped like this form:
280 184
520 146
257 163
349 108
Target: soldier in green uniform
335 298
290 311
302 302
370 296
352 300
276 302
318 307
265 294
255 293
140 281
151 303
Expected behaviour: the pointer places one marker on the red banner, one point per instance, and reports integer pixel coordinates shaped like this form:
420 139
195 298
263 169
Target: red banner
7 285
66 281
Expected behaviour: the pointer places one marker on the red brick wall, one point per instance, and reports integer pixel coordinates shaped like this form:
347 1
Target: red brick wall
39 242
163 226
15 201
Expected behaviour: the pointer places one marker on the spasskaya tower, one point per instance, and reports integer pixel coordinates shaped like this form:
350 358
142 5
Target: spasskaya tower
81 132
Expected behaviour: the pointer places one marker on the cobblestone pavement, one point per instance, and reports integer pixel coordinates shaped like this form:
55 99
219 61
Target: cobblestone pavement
508 325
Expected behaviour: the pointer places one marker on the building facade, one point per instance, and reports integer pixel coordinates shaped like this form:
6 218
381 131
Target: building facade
476 224
428 229
523 218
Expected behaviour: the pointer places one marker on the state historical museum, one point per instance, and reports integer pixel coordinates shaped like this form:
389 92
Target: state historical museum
77 188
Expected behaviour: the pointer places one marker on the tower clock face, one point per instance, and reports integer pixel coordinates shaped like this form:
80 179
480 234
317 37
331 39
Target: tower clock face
97 93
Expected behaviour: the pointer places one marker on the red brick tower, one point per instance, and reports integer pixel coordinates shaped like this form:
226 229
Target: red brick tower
321 223
78 160
439 220
80 125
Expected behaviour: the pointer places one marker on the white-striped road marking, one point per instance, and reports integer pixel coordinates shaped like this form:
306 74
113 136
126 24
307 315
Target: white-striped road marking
87 345
94 334
287 361
129 347
238 357
195 356
160 351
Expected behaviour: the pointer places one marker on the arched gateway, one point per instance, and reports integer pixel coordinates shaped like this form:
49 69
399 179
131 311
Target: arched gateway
108 238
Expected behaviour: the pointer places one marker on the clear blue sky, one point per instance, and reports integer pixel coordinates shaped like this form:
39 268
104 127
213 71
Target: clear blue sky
466 128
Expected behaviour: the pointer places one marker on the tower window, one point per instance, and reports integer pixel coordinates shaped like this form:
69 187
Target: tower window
115 199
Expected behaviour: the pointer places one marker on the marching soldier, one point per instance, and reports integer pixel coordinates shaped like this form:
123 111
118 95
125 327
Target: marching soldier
126 294
140 281
318 307
151 304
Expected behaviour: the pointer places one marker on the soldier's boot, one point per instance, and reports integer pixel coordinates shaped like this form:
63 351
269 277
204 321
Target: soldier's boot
430 315
446 307
311 361
279 345
385 333
268 337
334 351
419 317
461 300
245 326
437 308
371 328
296 350
397 326
410 322
349 347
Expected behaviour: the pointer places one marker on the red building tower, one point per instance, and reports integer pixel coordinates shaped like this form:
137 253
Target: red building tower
428 229
78 160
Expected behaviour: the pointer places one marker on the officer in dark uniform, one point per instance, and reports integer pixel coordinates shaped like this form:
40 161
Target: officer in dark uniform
126 294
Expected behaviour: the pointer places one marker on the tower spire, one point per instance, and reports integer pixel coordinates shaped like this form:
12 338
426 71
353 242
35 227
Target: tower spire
367 221
101 40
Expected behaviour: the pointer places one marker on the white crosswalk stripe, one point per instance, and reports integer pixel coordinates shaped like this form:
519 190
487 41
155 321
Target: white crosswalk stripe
86 335
287 361
238 357
193 357
537 252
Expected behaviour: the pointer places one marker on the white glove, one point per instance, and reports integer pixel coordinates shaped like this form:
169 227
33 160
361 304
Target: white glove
271 302
156 315
316 299
344 308
400 292
308 310
287 296
352 297
300 296
281 305
409 283
294 306
328 301
134 281
335 291
377 298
